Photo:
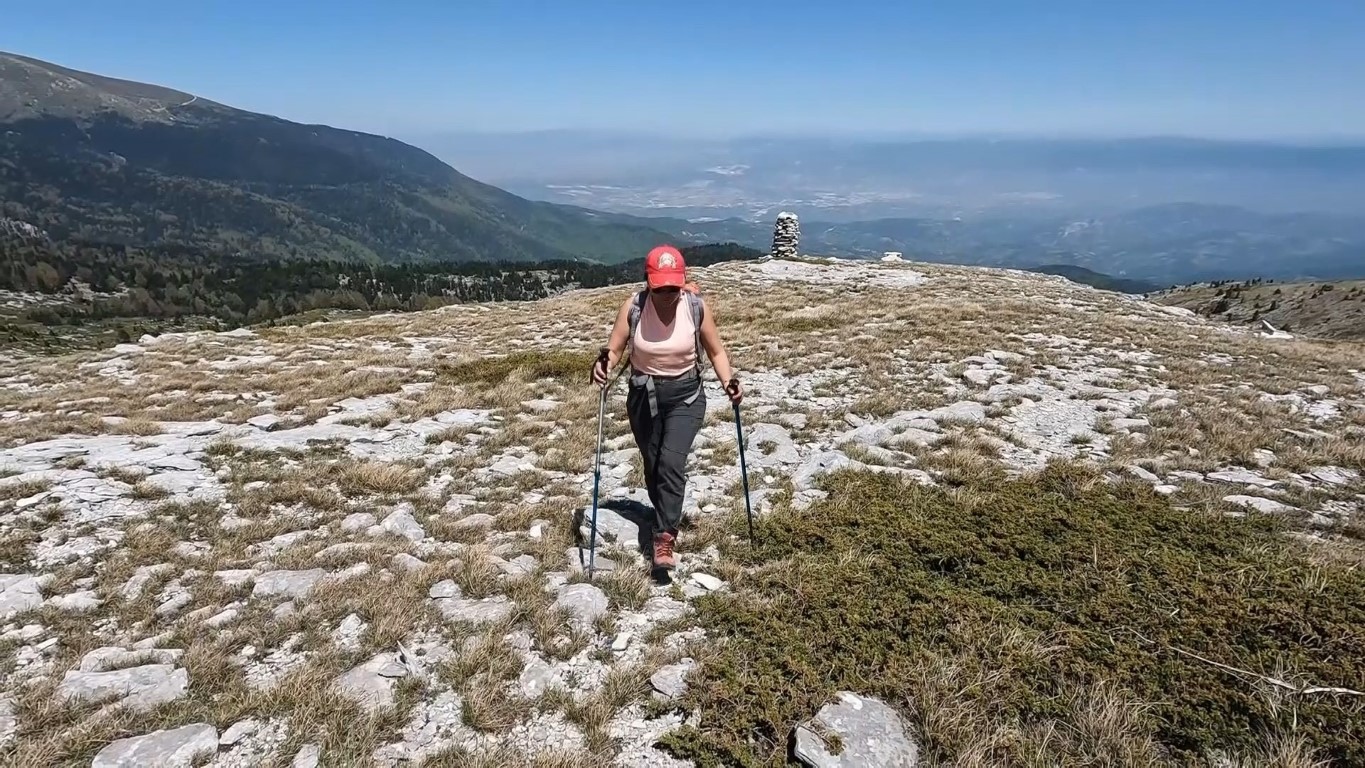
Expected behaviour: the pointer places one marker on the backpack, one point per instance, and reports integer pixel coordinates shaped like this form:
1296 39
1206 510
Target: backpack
694 304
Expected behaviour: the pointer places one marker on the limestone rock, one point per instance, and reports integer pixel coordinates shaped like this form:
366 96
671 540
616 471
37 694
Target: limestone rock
235 578
138 688
768 445
663 608
19 592
442 589
1144 475
965 412
113 657
307 757
536 678
358 521
707 581
8 723
1131 425
265 422
348 632
407 563
132 589
238 731
1242 477
76 602
172 748
295 584
871 734
1260 504
367 685
670 682
829 461
475 611
402 523
1334 475
476 520
583 602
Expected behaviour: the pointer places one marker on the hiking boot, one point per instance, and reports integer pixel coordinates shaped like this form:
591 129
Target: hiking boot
663 551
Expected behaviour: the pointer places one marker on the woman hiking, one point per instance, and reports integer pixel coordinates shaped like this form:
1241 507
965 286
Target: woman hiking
665 401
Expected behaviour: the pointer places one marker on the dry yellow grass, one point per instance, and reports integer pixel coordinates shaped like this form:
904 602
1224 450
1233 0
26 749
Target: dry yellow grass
379 477
884 349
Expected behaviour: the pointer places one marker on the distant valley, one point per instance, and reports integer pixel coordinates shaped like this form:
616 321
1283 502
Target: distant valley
858 179
1167 211
1165 245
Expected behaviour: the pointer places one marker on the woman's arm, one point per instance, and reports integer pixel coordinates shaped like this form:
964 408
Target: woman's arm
616 343
715 349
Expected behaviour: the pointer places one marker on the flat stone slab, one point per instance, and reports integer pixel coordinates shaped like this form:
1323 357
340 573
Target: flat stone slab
173 748
669 682
1260 504
113 657
583 602
871 734
371 684
821 463
402 523
1242 477
295 584
138 688
8 722
19 592
475 611
769 445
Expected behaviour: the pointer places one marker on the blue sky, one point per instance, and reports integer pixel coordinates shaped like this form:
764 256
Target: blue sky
1257 68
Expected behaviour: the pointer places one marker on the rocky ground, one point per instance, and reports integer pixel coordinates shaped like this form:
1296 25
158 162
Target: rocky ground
355 542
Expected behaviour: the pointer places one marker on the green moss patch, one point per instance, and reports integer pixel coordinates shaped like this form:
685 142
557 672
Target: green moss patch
1052 620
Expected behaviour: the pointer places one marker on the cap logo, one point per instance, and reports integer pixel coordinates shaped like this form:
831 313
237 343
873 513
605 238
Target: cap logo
666 261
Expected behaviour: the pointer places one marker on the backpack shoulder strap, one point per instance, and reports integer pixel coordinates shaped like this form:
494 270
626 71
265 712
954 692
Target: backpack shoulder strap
698 308
636 307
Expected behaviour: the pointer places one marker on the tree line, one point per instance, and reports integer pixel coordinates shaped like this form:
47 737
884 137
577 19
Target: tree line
103 281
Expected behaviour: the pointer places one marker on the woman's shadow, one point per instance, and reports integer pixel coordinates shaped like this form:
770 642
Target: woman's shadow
641 516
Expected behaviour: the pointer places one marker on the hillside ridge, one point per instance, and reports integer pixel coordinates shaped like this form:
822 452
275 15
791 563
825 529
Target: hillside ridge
97 159
31 87
1315 309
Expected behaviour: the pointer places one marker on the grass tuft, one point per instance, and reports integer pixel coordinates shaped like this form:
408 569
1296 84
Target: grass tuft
530 365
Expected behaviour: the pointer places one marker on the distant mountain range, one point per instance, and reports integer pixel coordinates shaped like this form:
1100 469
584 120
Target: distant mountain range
1162 244
1163 209
91 159
1095 279
88 157
859 179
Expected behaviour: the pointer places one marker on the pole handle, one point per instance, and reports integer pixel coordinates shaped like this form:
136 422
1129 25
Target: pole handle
603 355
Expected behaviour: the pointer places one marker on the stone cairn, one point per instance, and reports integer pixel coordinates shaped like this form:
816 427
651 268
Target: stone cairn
785 234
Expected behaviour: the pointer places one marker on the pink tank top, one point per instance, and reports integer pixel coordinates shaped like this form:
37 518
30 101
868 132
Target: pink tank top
664 350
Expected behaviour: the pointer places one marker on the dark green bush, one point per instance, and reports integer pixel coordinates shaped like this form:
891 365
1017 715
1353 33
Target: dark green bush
1037 621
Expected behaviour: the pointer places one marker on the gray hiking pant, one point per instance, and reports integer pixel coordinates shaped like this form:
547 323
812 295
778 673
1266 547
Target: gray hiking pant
664 430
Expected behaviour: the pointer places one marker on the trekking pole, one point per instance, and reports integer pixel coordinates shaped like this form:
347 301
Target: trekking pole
743 466
596 474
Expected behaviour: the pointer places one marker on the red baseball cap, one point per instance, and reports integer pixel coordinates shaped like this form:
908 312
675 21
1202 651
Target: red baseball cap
664 266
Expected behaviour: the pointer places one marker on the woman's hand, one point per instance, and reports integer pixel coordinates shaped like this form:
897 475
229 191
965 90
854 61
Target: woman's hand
734 390
599 368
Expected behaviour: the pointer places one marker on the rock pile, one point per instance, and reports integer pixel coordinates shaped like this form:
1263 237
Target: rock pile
786 233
